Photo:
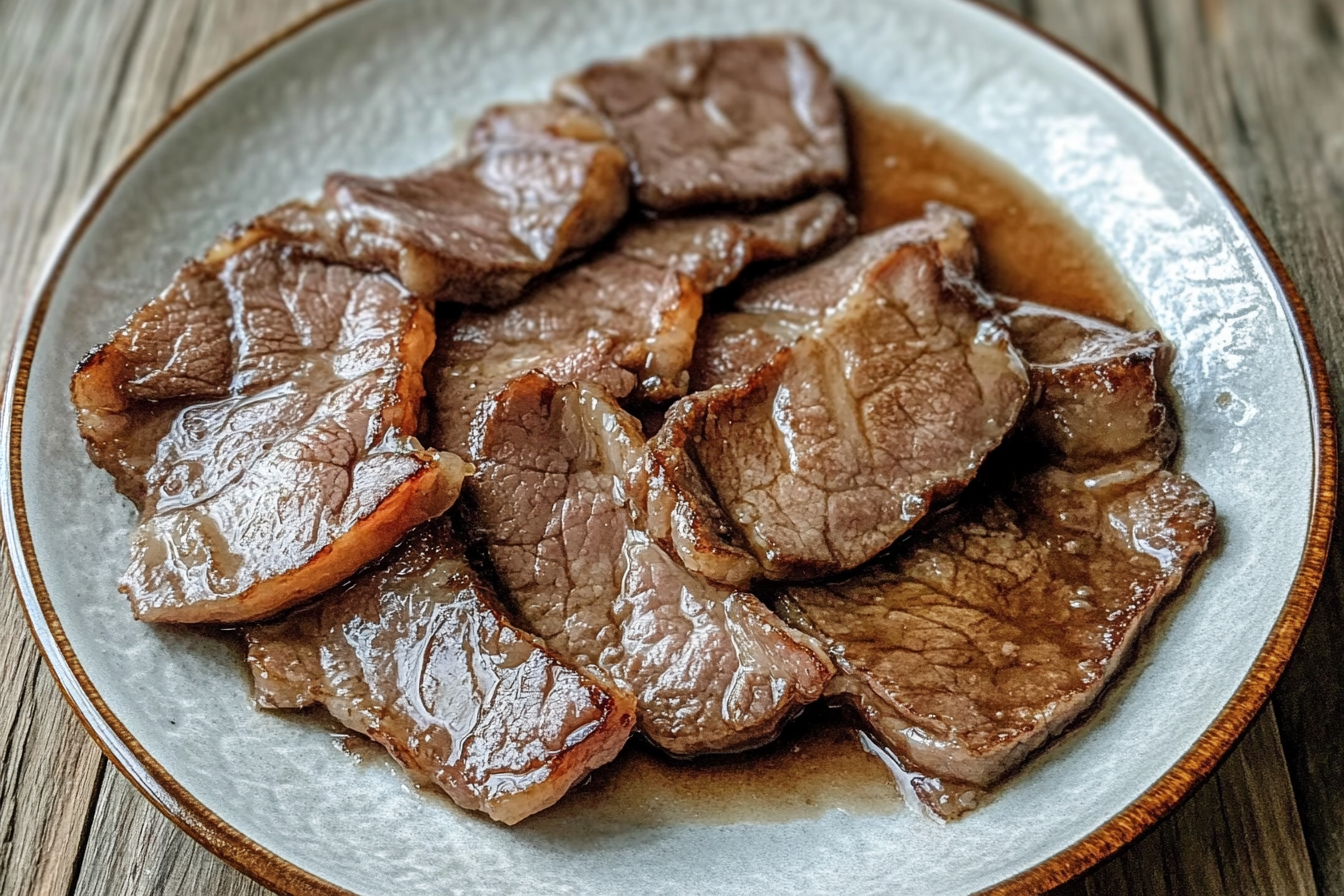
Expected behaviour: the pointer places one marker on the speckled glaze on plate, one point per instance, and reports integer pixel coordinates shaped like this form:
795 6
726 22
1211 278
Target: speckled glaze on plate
381 86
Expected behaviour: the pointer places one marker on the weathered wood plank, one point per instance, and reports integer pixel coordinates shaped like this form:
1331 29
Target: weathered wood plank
50 769
134 850
1114 35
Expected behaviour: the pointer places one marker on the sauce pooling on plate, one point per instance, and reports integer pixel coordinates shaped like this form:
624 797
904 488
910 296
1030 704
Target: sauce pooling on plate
1030 248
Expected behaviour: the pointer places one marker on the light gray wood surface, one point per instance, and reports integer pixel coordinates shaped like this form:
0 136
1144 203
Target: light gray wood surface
1258 84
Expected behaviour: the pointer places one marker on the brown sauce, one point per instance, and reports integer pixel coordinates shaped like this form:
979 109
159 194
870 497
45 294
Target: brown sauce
817 766
1030 248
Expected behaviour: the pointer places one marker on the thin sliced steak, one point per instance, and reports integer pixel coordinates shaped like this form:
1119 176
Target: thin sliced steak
735 121
626 318
772 311
844 439
417 654
261 413
1000 623
711 669
1100 385
536 182
986 633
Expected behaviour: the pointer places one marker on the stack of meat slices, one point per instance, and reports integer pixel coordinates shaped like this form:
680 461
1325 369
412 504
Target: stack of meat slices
719 458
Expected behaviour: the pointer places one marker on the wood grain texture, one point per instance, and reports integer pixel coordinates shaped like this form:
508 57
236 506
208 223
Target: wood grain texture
133 849
82 82
85 79
50 768
1263 92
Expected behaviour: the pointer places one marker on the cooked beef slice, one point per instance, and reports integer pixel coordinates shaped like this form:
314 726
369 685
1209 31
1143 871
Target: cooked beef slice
732 121
534 183
625 318
711 669
732 345
772 311
844 439
260 412
1002 620
1100 385
817 288
987 632
417 654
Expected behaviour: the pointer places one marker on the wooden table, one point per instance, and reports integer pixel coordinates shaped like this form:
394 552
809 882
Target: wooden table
1258 84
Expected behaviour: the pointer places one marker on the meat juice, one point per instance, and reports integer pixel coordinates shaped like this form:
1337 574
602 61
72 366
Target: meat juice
1030 248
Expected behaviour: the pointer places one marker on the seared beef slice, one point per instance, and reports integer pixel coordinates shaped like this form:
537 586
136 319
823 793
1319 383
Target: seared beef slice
1099 384
970 644
536 182
261 414
712 122
625 318
844 439
417 654
711 669
772 312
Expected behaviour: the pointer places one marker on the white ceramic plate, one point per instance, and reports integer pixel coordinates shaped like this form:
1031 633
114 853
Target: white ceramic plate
382 86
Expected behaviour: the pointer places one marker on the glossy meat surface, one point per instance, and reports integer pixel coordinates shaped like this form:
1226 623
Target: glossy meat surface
417 654
991 629
1100 385
625 318
996 626
771 312
847 437
534 183
711 669
731 121
261 413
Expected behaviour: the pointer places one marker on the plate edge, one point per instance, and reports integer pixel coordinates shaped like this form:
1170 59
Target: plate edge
249 857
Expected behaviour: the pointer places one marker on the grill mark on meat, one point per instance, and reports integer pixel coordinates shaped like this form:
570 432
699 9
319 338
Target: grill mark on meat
288 461
417 654
991 629
736 121
846 437
625 319
536 183
711 669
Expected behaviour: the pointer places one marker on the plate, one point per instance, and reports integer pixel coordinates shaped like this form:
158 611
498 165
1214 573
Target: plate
382 86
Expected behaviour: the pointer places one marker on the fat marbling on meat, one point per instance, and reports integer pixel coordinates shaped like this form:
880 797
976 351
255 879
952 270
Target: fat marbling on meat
417 654
261 414
848 435
711 669
625 318
534 183
971 643
728 121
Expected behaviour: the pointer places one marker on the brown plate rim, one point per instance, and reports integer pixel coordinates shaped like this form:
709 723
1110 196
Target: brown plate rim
259 863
